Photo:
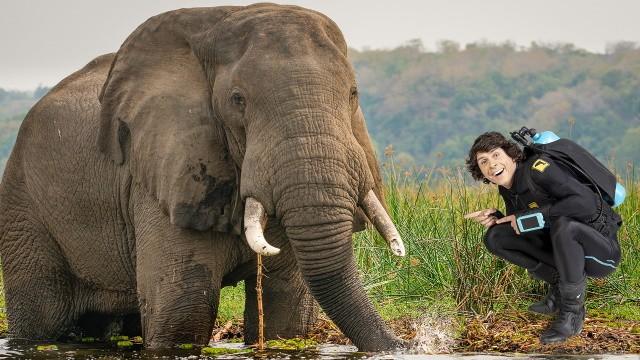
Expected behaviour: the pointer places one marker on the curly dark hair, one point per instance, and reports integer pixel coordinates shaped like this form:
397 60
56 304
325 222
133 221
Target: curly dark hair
487 142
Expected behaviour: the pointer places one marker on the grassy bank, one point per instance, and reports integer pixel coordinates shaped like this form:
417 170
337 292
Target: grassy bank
447 265
448 270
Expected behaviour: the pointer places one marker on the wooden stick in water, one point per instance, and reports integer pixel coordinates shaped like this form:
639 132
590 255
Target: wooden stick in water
260 310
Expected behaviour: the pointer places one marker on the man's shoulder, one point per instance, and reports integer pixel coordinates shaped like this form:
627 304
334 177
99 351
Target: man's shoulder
544 168
540 164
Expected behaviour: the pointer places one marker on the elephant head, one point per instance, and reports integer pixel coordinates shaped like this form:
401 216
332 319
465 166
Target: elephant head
214 108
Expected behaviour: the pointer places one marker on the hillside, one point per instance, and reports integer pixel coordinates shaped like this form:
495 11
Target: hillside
431 105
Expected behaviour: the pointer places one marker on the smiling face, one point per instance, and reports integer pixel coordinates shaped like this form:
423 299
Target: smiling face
497 167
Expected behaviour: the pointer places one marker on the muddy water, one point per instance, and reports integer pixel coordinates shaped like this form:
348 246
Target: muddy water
17 350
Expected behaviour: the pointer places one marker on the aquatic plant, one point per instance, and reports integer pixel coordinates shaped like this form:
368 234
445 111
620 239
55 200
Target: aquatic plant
291 344
124 344
47 347
215 351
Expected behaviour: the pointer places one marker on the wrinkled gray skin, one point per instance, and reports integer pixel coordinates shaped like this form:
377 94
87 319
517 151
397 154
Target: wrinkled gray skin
123 196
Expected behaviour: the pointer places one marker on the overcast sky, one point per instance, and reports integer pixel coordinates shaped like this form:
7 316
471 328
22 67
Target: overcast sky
42 41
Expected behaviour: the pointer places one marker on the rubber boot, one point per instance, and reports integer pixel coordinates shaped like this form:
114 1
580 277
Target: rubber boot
551 302
570 318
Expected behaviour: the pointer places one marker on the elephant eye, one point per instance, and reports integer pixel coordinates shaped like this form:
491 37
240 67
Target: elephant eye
237 99
353 99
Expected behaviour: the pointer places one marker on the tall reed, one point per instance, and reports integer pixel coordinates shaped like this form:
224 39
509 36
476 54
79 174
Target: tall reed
446 259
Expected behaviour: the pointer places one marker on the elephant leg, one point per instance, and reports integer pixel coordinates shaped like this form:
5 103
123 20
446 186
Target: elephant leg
178 296
289 308
178 279
37 284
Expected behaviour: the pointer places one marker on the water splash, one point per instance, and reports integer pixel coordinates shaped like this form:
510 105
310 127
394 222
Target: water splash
434 335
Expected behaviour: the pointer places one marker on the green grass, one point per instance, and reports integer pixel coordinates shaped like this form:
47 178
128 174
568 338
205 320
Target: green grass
447 265
616 311
447 268
231 306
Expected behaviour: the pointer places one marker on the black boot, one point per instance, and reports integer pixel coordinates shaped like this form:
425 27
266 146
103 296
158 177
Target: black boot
551 302
570 319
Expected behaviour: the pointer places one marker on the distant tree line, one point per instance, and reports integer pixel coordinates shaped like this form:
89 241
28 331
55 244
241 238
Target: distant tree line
13 108
430 105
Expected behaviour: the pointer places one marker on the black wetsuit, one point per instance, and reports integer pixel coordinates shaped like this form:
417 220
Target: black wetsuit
573 238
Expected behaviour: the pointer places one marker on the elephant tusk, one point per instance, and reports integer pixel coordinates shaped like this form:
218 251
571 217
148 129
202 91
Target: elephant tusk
255 219
382 222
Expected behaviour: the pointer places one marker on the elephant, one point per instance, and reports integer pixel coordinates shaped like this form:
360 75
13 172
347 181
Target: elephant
146 181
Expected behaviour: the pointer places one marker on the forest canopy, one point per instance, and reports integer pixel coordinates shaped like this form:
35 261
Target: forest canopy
431 105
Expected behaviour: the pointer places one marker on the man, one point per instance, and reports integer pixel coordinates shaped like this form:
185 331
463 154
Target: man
554 227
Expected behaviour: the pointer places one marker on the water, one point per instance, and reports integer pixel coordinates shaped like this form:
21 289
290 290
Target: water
17 350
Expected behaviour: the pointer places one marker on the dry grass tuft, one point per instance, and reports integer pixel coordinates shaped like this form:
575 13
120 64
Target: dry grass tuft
517 332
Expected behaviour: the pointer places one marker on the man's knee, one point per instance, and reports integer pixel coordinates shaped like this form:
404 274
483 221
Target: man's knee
563 228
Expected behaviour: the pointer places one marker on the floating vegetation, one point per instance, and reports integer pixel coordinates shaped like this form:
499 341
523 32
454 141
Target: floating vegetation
115 338
137 340
88 339
124 344
185 346
47 347
214 351
291 344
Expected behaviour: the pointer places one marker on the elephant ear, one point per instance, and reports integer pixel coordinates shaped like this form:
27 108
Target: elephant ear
362 136
157 119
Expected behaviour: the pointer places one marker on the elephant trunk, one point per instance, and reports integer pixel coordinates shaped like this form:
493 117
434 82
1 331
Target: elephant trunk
316 201
324 253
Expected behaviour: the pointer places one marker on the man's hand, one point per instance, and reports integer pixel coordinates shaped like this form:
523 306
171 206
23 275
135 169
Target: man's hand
484 217
510 219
